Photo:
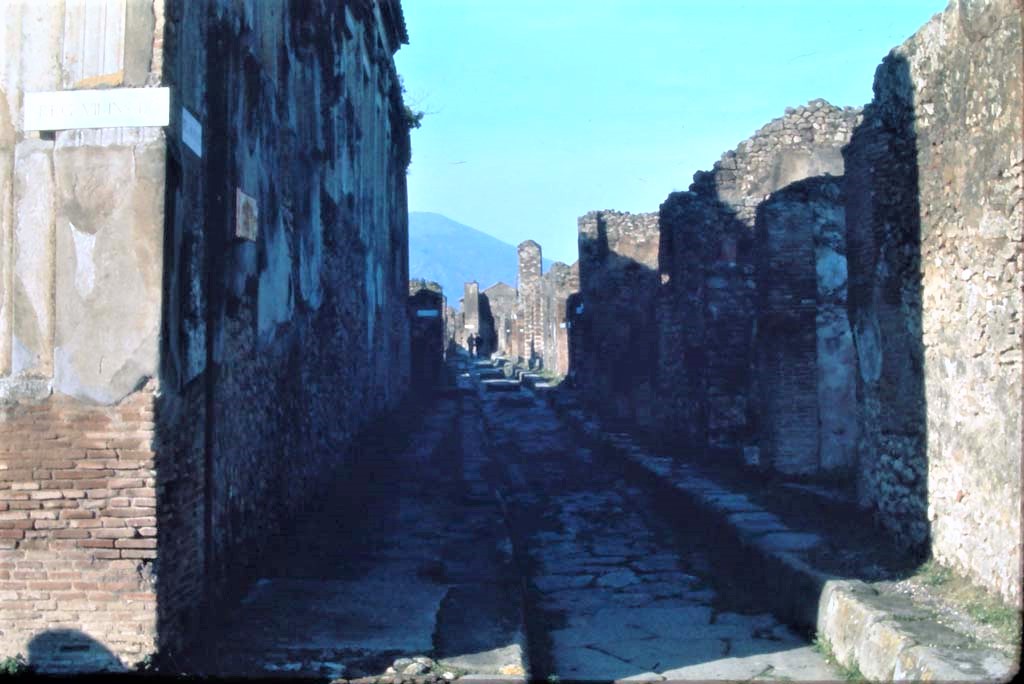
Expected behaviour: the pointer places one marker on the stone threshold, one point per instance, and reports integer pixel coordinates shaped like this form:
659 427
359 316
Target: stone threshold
884 634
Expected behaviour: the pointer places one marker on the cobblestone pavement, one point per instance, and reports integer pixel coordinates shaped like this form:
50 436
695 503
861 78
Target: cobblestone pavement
490 545
614 594
406 574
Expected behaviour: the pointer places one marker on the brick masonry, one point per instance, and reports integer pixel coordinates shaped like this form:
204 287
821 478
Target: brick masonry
530 309
708 292
237 368
78 530
805 362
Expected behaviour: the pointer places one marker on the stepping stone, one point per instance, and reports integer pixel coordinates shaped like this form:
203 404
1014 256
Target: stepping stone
618 579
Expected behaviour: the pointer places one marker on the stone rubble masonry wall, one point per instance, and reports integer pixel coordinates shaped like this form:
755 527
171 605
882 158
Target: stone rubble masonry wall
557 285
708 387
78 530
806 141
529 311
502 299
618 283
277 351
935 217
805 360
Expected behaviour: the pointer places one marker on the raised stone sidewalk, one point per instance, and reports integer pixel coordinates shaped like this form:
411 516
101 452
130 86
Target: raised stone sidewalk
870 625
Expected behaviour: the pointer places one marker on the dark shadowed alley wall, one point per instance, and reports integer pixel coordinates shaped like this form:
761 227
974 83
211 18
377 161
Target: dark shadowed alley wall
198 319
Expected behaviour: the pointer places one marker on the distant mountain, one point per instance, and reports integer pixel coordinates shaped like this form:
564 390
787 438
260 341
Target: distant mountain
453 254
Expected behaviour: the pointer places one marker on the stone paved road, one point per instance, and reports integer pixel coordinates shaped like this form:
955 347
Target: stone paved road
410 560
488 544
613 597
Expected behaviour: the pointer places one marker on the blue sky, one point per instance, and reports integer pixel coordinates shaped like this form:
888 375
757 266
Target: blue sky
538 111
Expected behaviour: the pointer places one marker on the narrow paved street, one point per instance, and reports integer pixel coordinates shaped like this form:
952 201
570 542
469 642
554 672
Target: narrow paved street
616 593
491 544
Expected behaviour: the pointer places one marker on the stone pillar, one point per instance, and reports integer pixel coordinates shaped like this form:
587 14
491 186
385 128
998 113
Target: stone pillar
471 311
530 302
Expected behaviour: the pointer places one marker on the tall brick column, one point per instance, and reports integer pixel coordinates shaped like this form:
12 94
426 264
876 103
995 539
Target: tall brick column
530 301
471 309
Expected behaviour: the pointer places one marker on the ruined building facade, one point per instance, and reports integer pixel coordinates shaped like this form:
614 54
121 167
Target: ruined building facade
934 220
840 297
180 306
614 330
530 309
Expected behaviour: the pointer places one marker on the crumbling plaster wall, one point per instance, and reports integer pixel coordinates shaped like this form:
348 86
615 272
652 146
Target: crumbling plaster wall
81 231
277 350
79 206
935 219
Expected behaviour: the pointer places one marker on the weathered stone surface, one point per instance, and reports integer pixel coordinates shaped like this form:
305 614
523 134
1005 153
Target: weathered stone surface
934 217
530 310
613 318
501 298
806 366
220 377
557 286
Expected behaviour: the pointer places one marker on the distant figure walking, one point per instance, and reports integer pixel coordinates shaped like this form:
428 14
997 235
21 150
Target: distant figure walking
476 344
471 343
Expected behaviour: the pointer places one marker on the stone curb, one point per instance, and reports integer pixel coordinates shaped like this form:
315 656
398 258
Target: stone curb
861 632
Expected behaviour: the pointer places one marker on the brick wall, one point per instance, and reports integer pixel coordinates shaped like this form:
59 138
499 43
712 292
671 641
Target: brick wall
471 311
708 391
530 309
78 531
806 365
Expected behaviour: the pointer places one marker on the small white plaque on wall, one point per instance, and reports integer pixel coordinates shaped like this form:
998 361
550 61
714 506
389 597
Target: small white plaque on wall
106 108
191 132
247 216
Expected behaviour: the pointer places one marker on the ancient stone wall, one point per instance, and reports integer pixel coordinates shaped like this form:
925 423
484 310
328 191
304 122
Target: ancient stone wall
177 377
81 231
426 336
557 285
707 350
296 332
806 366
618 282
502 300
530 309
934 217
806 141
471 311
